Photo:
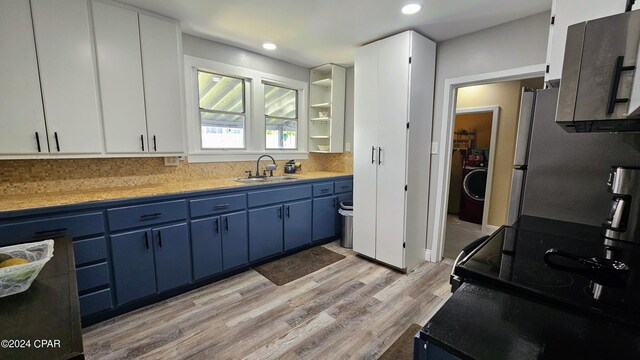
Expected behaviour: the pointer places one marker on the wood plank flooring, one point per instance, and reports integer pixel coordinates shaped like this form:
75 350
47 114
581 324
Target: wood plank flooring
353 308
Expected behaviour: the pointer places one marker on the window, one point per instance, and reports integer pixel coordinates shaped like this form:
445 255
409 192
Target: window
222 111
281 117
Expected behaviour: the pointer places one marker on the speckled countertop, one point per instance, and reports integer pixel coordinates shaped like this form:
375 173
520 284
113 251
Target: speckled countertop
32 201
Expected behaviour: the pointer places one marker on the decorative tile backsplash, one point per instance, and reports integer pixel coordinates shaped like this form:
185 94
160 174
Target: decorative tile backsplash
54 175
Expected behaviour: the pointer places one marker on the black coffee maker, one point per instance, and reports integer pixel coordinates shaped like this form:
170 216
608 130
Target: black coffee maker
622 222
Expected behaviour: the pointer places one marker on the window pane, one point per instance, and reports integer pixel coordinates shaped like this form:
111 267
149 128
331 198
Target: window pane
220 93
281 134
280 102
221 131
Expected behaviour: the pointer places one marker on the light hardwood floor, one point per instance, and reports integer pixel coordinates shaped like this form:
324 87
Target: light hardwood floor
353 308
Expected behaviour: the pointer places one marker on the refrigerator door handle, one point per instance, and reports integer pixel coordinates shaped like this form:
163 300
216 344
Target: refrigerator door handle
525 120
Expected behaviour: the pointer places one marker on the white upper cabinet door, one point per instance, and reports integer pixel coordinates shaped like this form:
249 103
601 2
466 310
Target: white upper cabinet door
120 75
21 114
566 13
365 149
393 95
67 75
161 74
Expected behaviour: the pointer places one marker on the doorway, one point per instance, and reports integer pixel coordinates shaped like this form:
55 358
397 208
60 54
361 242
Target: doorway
481 160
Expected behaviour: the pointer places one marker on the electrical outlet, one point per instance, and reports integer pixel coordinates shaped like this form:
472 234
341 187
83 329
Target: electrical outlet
435 147
347 146
171 161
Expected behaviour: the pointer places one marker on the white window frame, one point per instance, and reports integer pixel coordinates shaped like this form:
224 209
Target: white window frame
255 138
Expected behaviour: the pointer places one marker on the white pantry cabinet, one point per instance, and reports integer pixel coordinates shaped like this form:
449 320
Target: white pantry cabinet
565 13
22 127
67 75
138 63
394 80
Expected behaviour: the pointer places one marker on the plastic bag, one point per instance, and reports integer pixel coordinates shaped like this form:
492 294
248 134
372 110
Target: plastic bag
345 212
18 278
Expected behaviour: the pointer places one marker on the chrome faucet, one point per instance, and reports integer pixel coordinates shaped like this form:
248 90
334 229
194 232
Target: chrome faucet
270 167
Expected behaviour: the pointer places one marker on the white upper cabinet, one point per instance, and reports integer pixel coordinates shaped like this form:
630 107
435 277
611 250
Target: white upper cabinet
160 41
327 98
21 114
565 13
120 74
67 75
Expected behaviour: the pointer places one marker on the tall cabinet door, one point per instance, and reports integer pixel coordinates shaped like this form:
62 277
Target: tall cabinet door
133 267
393 87
173 258
120 73
265 234
67 75
161 71
365 144
297 224
21 111
235 240
206 247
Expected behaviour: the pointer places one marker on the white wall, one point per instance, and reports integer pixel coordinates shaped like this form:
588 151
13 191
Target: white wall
348 111
227 54
516 44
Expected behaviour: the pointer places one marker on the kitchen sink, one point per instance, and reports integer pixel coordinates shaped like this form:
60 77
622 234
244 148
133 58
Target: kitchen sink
257 180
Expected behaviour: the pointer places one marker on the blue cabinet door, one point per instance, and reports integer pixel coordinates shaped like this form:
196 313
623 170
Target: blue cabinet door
133 268
265 232
235 240
173 256
297 224
324 218
206 247
341 198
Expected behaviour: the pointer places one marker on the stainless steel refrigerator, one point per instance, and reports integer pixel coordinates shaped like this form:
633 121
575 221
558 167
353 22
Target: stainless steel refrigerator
561 175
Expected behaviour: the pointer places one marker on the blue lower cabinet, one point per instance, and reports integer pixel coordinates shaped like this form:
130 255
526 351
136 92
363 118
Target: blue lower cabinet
324 217
265 232
173 256
133 266
95 302
341 198
206 247
235 240
297 224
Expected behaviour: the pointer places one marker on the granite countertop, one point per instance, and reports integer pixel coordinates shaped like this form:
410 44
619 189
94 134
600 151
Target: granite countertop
39 200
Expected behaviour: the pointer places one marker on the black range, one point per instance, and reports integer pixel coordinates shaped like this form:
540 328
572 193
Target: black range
544 289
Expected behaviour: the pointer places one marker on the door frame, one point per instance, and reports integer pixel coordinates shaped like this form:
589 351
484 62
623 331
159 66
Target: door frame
441 196
495 111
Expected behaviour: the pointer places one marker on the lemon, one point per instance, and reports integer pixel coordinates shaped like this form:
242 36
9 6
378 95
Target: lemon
12 262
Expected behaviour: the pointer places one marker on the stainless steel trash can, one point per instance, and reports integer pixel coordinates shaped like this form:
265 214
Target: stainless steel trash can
346 210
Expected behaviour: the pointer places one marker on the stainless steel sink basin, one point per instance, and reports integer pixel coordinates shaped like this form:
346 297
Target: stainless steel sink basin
265 179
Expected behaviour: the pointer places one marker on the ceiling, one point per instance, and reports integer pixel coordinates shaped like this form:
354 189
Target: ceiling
314 32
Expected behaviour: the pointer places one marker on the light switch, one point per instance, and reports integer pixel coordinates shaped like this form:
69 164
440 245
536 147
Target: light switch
434 147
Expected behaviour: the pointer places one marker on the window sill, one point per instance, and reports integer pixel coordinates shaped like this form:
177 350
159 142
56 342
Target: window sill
228 156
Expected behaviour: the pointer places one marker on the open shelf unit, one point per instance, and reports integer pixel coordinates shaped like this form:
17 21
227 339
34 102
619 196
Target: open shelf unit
326 114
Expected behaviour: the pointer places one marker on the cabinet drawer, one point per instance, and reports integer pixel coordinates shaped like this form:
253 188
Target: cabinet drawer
95 302
322 189
266 197
76 226
343 186
217 205
90 250
92 276
144 215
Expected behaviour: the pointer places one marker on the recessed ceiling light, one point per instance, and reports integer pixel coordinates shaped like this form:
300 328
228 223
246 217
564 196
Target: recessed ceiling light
269 46
411 9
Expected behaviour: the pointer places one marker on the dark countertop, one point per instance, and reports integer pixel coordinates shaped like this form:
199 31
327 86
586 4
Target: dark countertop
48 310
479 322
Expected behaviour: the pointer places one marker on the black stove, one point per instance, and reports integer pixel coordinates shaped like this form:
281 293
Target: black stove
562 263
